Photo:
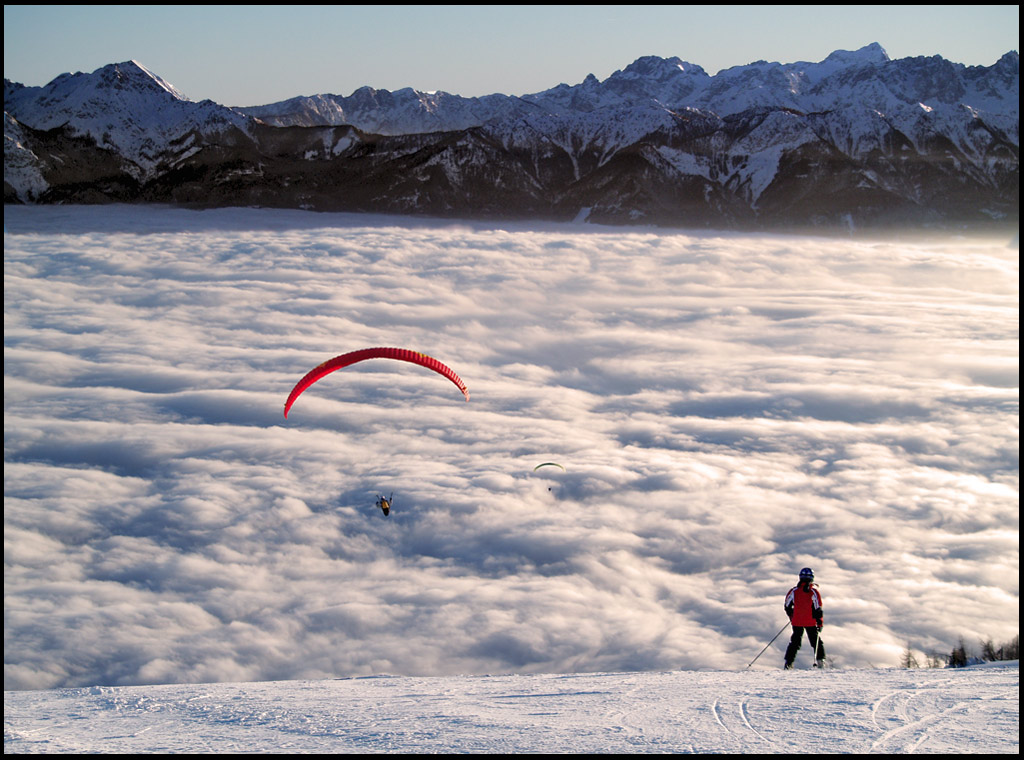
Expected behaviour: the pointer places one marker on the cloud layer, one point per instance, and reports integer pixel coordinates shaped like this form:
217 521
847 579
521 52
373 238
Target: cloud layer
728 409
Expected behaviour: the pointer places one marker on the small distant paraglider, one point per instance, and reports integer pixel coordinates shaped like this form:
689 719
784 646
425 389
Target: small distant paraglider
385 504
549 464
344 360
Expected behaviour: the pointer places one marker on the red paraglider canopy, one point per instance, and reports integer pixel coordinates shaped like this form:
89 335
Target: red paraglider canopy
402 354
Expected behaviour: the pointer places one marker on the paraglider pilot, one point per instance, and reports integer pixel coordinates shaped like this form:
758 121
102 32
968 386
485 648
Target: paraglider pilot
385 504
803 605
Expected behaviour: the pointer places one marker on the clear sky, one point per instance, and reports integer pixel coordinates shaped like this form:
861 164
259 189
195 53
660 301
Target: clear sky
252 55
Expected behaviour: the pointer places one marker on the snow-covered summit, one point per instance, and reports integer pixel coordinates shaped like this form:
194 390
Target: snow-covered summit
133 75
129 85
872 54
653 67
121 106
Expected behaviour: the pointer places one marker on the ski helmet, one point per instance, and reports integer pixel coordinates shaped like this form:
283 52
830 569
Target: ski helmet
807 574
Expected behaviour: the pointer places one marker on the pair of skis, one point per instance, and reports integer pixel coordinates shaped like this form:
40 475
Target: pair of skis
819 662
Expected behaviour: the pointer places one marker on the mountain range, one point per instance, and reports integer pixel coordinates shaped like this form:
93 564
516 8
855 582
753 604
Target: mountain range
857 139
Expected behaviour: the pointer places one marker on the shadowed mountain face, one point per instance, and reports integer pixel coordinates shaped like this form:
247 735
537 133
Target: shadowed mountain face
854 140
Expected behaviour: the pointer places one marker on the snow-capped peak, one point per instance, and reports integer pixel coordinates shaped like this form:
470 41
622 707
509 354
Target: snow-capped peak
128 79
163 83
653 67
121 105
873 54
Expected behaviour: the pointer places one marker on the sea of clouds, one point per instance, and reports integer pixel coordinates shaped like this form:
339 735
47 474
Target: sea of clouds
728 408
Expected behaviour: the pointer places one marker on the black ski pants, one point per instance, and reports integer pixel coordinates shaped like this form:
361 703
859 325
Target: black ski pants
812 638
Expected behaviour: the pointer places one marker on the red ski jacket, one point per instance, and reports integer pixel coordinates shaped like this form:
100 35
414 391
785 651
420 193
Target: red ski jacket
803 605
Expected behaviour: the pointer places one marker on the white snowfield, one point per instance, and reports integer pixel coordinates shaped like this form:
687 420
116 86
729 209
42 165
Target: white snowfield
969 710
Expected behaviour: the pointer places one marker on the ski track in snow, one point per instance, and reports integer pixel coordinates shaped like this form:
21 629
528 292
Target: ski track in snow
765 712
912 719
735 722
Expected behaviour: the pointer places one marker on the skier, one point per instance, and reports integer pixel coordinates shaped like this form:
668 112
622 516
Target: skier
803 605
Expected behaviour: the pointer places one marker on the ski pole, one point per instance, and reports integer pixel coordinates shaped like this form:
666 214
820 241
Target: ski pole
768 645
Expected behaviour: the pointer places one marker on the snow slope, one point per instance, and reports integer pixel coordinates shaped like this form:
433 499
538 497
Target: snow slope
972 710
